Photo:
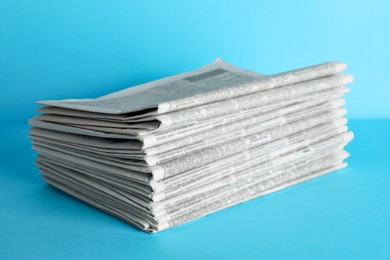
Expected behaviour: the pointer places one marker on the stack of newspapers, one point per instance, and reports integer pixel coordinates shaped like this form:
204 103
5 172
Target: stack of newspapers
169 151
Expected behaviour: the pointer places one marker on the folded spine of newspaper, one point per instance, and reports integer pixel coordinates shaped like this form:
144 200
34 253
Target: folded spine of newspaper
169 151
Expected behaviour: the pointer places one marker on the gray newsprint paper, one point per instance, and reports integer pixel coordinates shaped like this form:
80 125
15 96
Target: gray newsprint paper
214 82
169 151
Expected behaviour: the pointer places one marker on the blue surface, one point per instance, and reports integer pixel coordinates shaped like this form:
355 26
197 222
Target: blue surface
344 215
84 48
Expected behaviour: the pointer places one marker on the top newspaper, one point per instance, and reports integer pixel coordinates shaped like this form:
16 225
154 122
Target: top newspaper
214 82
162 110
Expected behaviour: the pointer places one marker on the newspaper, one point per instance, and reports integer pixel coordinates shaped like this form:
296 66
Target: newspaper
88 182
197 177
253 192
169 151
184 146
215 152
153 138
164 138
215 82
248 176
205 174
236 145
150 226
212 110
192 115
240 128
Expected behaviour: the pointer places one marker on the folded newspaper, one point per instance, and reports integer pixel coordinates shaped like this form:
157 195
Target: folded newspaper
172 150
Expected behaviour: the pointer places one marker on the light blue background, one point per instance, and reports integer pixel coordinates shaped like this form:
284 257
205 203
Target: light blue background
79 48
